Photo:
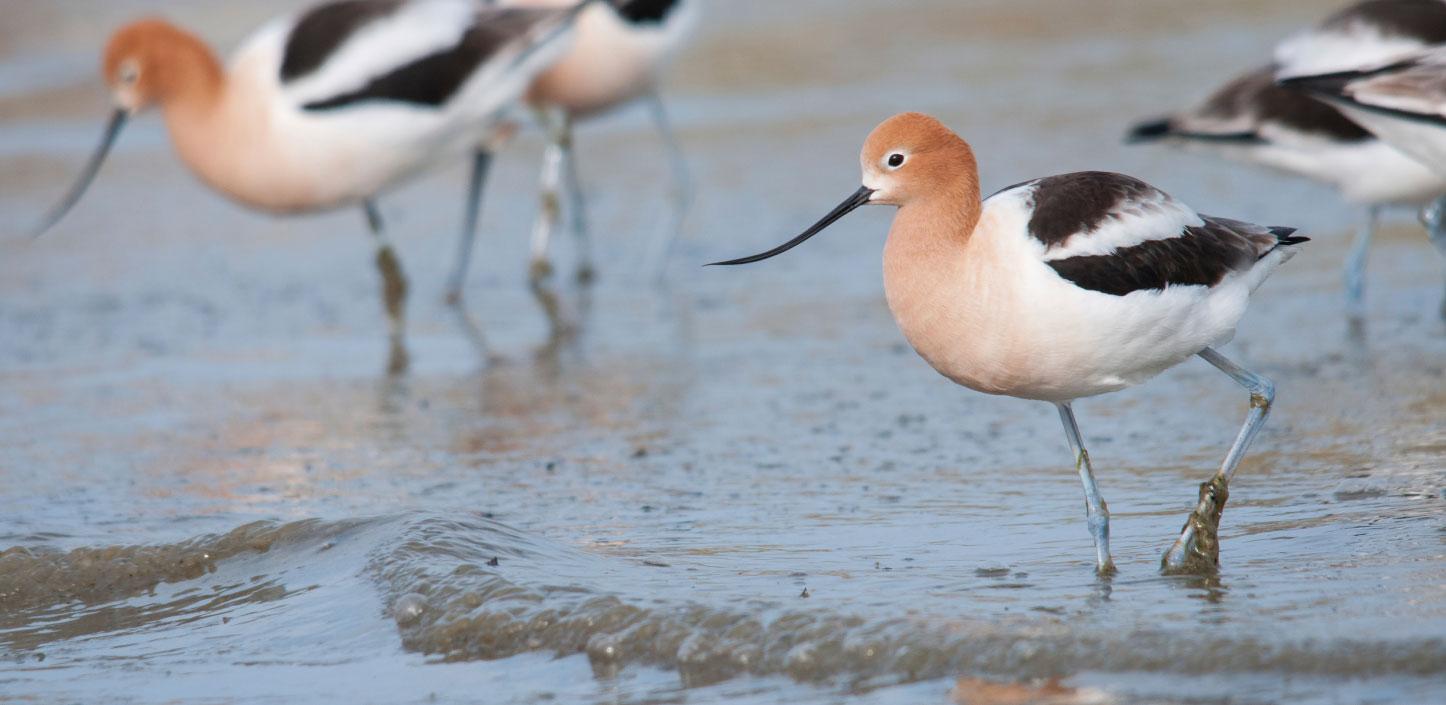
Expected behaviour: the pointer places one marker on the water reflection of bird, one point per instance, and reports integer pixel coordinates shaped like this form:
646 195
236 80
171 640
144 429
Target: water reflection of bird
1403 102
334 105
621 49
1061 288
1253 120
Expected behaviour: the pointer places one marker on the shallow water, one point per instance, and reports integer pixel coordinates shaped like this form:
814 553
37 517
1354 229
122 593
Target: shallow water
742 489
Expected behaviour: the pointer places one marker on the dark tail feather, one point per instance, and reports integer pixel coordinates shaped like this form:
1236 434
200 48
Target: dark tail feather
1164 128
1284 237
1148 131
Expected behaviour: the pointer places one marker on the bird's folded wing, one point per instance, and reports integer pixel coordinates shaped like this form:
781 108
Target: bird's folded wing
419 53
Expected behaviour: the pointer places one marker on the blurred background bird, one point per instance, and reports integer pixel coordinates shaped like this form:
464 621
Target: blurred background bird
1404 103
334 105
618 59
1253 120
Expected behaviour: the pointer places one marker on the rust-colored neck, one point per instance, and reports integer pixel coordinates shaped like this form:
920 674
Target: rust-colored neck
937 223
190 80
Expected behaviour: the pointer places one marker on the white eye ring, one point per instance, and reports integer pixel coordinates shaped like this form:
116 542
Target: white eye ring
895 160
129 73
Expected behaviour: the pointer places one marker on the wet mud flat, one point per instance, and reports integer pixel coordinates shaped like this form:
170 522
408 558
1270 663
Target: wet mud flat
742 488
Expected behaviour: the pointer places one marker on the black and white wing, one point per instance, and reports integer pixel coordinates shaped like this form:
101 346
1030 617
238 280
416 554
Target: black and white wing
1370 33
1115 234
1403 103
1411 89
416 52
1253 110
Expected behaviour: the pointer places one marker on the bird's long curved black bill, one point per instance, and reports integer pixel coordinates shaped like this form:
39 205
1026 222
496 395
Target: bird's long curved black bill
859 198
112 129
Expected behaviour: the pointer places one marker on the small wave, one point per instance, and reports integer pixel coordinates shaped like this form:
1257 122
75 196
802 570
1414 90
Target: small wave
40 577
449 602
462 587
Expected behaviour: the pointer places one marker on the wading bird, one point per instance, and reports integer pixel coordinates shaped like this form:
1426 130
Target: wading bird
1403 102
621 49
1255 121
331 107
1061 288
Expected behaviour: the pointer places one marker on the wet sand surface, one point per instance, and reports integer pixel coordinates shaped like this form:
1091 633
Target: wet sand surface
741 488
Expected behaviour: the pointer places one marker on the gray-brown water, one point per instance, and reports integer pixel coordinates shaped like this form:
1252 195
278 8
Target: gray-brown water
209 493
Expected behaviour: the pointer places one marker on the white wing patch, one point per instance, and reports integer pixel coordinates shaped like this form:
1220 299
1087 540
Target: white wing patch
1132 222
1316 52
415 31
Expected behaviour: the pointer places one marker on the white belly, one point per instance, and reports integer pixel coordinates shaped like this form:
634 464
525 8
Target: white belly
993 317
1369 172
1426 142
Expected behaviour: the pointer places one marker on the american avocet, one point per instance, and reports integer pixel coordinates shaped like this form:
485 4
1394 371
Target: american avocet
332 106
1061 288
1252 120
620 51
1404 102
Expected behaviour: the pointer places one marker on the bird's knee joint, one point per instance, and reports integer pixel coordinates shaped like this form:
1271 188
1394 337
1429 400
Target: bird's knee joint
1262 394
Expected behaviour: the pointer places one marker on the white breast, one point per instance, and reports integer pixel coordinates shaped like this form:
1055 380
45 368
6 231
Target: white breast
611 62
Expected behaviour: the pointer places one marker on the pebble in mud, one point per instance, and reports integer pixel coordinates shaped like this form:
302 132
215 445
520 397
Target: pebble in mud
409 608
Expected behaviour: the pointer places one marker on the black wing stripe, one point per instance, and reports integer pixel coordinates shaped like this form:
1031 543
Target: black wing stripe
1256 93
1333 86
1428 118
322 30
432 80
1201 256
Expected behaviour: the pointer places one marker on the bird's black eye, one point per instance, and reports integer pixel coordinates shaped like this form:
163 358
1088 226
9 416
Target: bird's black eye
896 160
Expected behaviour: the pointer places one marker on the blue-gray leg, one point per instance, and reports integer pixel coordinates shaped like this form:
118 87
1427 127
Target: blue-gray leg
1435 219
576 203
549 187
1097 513
1355 271
1198 548
559 174
394 289
682 188
481 163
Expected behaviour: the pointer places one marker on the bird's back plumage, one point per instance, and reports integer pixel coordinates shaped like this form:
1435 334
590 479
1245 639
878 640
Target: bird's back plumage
1116 234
